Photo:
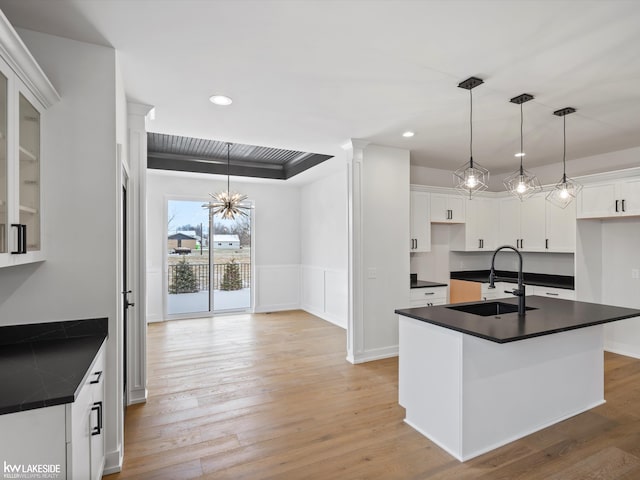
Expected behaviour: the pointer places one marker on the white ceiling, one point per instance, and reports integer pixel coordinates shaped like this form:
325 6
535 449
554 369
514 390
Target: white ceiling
309 75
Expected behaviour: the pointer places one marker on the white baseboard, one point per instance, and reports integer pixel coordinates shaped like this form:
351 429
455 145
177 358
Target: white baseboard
374 354
627 350
339 322
138 395
154 318
276 307
113 462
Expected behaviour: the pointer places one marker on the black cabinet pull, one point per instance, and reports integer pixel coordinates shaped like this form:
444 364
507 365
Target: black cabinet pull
623 206
482 243
97 407
553 294
617 201
98 377
429 293
546 243
479 243
22 238
521 243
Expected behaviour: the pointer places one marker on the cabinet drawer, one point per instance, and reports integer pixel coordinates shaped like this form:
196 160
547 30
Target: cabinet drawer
554 292
429 294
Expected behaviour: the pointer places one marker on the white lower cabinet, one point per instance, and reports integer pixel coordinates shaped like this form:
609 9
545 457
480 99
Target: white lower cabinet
428 296
67 440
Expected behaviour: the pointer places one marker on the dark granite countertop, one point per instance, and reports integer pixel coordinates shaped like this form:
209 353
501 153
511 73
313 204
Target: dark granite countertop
551 315
539 279
426 284
46 364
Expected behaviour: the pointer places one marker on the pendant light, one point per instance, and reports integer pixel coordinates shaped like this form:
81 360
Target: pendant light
522 183
471 177
227 204
566 189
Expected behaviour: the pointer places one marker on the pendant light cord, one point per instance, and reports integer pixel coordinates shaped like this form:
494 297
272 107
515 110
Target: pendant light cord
228 161
564 148
521 137
471 124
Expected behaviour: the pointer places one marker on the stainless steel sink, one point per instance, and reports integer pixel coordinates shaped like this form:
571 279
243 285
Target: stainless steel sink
487 309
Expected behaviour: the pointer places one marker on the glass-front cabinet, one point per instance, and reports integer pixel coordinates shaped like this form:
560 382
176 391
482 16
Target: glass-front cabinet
29 176
4 195
22 108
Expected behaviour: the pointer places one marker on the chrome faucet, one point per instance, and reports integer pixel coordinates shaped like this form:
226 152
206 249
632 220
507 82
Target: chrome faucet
518 292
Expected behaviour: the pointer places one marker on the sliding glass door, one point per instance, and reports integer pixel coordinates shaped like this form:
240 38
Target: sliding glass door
208 261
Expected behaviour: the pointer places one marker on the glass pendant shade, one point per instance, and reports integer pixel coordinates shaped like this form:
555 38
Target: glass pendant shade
566 190
471 177
522 184
227 204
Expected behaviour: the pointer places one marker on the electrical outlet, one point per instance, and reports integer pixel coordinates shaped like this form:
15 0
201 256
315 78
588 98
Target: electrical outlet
635 273
372 273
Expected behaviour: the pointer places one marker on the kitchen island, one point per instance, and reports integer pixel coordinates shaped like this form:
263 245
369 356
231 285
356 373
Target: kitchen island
472 383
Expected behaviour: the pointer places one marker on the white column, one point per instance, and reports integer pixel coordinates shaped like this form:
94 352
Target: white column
137 328
378 257
355 314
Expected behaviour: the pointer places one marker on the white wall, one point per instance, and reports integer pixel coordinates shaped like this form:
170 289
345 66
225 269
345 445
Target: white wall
433 177
276 230
607 254
78 279
550 174
384 275
323 240
620 254
434 266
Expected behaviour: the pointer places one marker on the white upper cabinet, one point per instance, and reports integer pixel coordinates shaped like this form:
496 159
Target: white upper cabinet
25 92
560 228
446 208
420 222
610 199
479 232
522 223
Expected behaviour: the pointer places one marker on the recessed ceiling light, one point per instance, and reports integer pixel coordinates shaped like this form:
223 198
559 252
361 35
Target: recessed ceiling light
408 134
222 100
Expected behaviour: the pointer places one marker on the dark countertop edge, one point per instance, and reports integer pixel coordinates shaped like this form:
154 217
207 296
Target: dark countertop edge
34 332
427 284
513 339
566 282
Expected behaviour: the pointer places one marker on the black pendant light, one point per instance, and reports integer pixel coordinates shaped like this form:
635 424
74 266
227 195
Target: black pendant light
522 183
566 189
471 177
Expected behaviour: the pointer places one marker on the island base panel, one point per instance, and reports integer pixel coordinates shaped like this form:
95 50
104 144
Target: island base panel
469 395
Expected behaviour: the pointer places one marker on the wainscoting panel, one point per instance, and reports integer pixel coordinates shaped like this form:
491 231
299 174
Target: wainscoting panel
277 287
324 293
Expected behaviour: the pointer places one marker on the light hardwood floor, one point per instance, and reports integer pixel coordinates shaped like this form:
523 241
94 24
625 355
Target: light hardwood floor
271 396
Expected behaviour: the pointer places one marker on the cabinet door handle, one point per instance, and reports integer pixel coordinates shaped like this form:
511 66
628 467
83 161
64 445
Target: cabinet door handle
617 201
552 294
98 377
429 293
623 206
97 407
22 238
479 243
521 243
546 243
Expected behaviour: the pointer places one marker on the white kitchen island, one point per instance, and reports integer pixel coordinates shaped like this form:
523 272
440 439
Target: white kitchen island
471 384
